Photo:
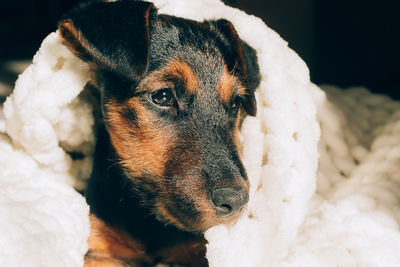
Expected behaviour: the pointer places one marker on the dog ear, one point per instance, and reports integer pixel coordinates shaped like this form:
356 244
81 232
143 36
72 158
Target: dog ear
112 35
241 59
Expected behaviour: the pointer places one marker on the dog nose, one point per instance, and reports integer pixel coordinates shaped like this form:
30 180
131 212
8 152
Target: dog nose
228 201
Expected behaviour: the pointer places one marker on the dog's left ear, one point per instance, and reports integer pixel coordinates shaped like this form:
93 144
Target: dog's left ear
111 35
241 59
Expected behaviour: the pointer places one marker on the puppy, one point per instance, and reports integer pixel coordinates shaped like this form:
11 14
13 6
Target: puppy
167 164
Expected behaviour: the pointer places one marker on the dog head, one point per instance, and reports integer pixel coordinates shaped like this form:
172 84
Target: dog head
173 94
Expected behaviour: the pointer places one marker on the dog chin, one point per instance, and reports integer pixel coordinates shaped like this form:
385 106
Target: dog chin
198 224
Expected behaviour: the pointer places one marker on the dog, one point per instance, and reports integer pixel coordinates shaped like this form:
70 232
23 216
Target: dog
167 167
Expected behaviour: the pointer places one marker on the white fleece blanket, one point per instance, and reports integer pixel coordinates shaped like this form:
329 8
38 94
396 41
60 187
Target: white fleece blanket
329 201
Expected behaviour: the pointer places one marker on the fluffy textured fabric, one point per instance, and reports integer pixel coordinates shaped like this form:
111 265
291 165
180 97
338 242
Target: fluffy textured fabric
329 201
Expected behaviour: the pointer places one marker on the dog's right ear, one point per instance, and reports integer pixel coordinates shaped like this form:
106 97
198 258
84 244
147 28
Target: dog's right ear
112 35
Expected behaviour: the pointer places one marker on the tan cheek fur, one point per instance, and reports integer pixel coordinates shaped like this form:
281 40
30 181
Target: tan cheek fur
142 148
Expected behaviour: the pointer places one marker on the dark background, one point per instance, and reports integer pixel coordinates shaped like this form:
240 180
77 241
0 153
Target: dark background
344 42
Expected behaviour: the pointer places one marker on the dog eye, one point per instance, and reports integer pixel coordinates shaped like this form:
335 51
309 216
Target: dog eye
236 103
163 98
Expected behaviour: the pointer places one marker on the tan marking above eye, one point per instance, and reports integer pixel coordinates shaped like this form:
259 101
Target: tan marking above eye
229 86
164 77
182 69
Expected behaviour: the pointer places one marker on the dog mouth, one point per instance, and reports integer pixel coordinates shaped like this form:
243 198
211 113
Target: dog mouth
197 217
